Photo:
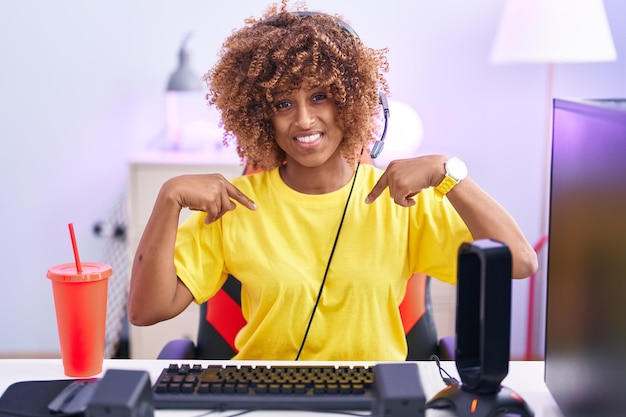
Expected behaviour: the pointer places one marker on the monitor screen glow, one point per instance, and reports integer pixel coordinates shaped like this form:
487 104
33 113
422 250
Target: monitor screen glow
586 298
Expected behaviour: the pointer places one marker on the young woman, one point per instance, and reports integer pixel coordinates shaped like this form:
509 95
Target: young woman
299 96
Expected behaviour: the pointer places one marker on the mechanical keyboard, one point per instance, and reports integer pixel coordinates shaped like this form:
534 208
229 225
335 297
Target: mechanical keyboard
246 387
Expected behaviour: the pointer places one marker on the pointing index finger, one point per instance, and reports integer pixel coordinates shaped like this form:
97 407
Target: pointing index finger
237 195
378 189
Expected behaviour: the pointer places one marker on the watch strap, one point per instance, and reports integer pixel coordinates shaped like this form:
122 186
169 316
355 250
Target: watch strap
445 185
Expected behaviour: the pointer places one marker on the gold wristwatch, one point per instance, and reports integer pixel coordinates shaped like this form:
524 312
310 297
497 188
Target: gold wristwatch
456 171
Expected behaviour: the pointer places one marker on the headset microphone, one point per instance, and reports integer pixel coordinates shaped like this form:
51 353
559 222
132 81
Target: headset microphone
380 143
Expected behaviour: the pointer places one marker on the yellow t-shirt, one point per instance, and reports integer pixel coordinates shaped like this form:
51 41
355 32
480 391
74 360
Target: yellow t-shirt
280 252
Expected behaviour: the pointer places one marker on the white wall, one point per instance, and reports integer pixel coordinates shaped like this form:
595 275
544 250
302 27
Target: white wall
82 89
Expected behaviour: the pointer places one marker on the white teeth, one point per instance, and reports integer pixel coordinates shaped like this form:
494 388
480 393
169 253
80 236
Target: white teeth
308 139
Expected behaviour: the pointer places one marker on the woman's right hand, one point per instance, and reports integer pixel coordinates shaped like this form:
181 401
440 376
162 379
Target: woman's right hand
156 293
210 193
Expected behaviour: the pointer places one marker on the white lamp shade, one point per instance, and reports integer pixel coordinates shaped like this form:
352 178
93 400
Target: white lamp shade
553 31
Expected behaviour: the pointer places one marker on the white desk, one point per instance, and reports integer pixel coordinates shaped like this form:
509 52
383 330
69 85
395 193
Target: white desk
525 378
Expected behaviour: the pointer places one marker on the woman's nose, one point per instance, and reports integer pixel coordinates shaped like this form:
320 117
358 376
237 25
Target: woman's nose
304 116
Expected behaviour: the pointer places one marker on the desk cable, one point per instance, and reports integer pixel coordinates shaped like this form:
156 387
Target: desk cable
16 413
241 413
447 379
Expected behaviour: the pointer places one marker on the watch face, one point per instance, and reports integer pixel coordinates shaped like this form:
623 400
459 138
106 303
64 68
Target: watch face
456 168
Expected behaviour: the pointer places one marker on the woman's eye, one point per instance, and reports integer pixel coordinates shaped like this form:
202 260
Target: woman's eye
319 96
282 105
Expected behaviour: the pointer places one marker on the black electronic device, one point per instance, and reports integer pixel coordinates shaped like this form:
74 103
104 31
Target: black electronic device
503 402
250 387
483 330
122 393
387 389
585 346
73 399
398 391
483 317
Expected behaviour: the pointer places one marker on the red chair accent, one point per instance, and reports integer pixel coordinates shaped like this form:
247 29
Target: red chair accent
412 306
226 317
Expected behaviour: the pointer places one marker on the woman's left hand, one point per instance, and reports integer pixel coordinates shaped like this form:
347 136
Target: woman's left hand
407 177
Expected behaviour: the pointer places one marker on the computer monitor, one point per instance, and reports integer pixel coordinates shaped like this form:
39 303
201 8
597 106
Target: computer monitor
586 276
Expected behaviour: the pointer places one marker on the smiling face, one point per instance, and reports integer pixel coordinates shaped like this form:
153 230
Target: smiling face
296 50
306 128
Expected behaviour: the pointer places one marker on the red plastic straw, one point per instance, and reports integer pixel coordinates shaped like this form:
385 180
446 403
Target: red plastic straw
76 257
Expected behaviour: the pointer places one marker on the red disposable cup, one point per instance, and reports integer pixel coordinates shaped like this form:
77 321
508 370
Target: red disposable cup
80 301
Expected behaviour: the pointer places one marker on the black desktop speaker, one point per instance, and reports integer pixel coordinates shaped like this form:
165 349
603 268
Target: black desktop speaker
483 315
483 330
122 393
398 390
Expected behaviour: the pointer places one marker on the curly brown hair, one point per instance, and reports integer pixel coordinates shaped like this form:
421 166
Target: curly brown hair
287 50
